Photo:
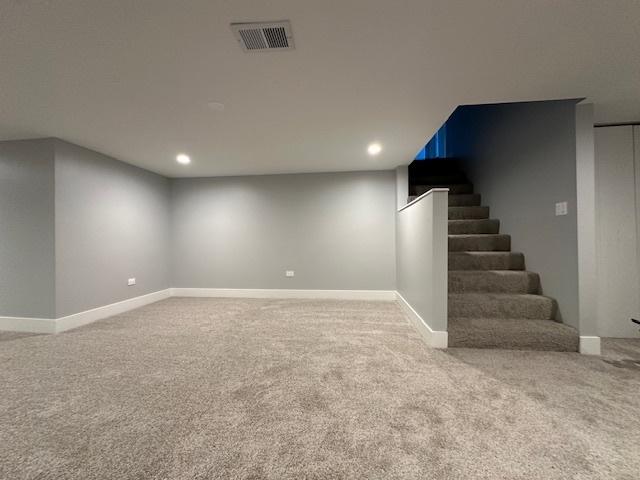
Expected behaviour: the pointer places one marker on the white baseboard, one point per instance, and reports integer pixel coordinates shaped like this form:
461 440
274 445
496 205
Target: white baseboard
28 325
590 345
387 295
89 316
62 324
433 338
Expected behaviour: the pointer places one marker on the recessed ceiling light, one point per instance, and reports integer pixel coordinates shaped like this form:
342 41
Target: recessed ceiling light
216 106
374 149
183 159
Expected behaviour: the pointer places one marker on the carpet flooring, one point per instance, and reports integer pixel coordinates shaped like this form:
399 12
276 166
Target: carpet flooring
305 389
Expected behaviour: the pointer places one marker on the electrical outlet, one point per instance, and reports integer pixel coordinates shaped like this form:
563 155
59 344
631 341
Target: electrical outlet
131 281
289 273
561 208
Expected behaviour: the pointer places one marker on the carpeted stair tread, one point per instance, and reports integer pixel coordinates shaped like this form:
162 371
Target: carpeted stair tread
493 300
464 200
461 200
501 305
464 213
455 188
479 243
512 334
493 281
486 261
485 225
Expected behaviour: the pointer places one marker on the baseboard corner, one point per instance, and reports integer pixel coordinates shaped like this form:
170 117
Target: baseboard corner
89 316
27 325
68 322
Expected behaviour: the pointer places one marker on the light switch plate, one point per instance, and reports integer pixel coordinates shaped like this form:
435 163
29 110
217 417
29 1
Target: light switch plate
131 281
289 273
561 208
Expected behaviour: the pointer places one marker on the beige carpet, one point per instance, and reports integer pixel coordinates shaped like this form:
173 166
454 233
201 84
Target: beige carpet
229 388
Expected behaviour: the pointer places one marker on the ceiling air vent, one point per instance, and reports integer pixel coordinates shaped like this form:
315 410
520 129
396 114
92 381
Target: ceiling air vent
259 36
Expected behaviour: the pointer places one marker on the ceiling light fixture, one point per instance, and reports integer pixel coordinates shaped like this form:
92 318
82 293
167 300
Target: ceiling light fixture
374 148
183 159
216 106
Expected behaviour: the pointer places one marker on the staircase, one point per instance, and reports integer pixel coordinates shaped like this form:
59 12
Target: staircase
494 302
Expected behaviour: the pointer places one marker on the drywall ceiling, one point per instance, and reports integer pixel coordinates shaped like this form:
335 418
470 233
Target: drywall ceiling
133 79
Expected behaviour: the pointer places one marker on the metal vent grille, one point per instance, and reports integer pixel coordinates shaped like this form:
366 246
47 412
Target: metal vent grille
259 36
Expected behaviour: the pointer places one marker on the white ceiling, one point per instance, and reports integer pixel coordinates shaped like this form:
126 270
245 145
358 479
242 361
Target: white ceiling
132 79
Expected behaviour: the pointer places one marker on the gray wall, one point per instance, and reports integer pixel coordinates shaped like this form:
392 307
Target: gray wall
335 230
26 229
522 159
71 245
112 223
421 238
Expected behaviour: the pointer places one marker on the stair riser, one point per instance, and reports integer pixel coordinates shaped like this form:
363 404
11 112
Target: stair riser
493 282
512 334
486 261
495 306
457 227
480 243
453 189
468 213
464 200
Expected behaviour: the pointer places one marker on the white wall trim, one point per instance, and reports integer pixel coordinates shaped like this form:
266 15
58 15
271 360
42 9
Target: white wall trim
434 338
416 200
387 295
58 325
28 325
586 221
589 345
